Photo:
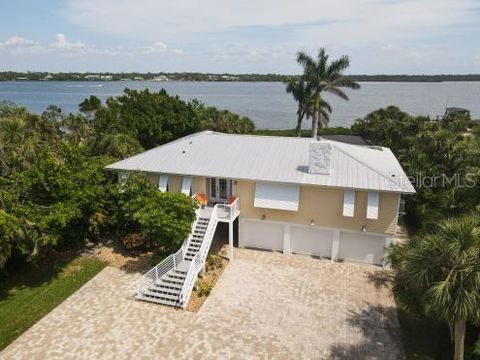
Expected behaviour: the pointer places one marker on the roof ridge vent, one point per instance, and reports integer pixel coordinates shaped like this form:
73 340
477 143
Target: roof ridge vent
319 158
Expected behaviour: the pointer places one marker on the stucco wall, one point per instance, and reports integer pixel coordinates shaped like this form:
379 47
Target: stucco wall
325 207
175 183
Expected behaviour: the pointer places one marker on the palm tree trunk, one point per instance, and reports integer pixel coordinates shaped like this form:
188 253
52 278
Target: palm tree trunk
298 129
315 124
460 328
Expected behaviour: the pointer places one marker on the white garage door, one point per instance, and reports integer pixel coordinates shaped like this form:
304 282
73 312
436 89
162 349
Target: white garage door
262 235
311 241
361 247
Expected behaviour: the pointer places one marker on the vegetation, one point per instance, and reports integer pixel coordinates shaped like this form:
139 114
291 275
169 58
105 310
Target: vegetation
33 292
36 76
319 77
440 158
55 193
439 275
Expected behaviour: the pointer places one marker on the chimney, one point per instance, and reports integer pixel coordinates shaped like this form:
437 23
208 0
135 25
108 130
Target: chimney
319 158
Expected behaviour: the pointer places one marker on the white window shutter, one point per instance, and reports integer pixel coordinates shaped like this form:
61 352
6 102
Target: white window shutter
372 205
186 185
349 202
163 183
276 196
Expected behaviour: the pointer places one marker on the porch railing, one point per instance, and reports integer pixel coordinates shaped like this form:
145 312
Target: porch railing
198 262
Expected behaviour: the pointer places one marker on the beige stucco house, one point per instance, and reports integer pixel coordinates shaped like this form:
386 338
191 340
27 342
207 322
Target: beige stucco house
295 195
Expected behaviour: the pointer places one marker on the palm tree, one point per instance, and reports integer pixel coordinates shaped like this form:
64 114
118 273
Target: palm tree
302 93
322 76
441 273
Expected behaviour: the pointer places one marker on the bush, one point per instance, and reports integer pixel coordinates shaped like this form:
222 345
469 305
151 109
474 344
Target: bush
204 289
214 262
134 242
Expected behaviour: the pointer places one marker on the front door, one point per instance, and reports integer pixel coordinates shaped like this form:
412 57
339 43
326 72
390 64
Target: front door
220 190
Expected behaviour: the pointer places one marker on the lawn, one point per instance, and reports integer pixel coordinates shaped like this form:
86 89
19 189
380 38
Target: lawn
28 296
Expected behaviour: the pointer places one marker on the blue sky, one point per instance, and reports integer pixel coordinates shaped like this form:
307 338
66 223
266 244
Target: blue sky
248 36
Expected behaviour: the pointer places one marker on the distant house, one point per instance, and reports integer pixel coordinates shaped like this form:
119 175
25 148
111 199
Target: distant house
456 110
294 195
106 77
47 77
22 78
161 78
138 78
92 77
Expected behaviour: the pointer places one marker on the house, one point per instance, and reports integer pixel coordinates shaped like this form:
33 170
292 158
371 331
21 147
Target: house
294 195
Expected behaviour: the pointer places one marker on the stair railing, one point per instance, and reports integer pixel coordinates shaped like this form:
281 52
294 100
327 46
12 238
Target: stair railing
198 260
168 264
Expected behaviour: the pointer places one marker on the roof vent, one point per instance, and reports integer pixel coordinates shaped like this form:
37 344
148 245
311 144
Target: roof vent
319 158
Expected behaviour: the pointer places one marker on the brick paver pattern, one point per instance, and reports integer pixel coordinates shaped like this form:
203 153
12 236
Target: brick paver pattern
266 305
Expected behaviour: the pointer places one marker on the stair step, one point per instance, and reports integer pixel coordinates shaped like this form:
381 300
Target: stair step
158 301
174 280
195 244
160 290
160 295
173 285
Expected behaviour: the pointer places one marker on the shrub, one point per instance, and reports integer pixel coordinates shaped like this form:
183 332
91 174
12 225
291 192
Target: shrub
214 262
204 288
134 242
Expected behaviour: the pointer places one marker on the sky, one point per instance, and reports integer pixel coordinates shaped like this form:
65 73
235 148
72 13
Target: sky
247 36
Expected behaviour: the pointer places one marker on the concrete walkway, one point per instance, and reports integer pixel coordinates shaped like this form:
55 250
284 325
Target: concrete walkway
266 305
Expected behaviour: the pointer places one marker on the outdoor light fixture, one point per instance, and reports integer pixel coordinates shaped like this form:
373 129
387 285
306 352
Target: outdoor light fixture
312 222
264 216
364 228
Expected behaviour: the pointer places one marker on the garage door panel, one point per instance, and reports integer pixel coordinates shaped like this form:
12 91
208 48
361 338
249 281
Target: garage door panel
361 247
311 241
263 235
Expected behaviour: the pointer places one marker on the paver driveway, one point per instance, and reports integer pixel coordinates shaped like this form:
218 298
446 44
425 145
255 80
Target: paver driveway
266 305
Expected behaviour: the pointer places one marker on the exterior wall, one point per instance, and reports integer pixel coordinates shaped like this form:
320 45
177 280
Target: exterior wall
325 207
199 184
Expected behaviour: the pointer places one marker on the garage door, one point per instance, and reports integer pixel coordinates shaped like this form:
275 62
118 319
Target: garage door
262 235
361 247
311 241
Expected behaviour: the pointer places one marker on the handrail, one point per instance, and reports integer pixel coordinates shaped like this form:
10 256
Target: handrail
198 260
169 263
231 210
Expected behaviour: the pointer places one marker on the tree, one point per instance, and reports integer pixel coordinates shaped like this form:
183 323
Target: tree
302 95
118 145
321 77
439 273
162 219
152 118
224 121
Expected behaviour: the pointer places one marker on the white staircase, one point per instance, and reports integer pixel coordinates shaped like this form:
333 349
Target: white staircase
171 282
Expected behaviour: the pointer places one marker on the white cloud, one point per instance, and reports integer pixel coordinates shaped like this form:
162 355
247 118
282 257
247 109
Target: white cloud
335 21
62 46
62 43
156 48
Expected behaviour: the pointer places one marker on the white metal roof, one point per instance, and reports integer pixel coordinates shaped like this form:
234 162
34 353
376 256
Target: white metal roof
271 158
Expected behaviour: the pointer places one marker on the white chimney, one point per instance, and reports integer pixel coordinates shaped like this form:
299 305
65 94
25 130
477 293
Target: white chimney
319 158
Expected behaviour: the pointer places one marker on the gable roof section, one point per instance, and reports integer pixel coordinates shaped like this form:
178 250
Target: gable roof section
271 158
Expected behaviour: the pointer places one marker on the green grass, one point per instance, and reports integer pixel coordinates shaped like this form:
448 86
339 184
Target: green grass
305 133
31 294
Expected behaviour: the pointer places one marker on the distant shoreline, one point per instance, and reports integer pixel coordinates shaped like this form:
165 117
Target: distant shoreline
209 77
